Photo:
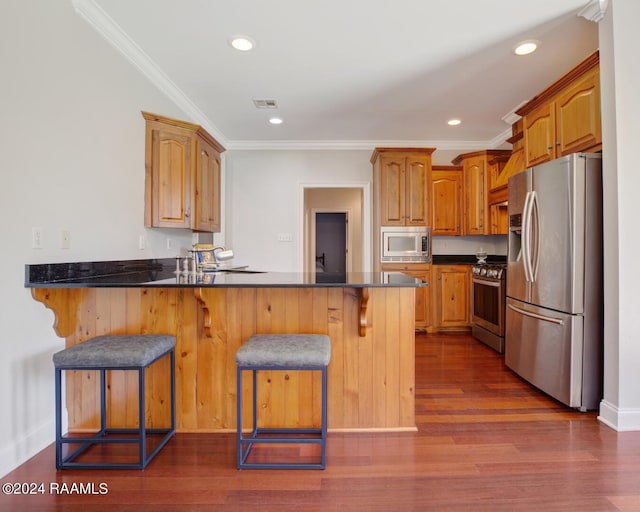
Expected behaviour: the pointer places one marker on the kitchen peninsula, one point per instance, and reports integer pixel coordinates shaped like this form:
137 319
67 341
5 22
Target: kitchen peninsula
369 320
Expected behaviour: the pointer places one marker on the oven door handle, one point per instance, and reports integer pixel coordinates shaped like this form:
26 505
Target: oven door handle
487 282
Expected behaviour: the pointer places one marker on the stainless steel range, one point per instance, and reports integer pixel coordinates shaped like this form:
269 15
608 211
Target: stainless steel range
488 301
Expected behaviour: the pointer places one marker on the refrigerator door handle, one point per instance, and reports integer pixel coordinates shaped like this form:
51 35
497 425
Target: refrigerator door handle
526 238
534 247
557 321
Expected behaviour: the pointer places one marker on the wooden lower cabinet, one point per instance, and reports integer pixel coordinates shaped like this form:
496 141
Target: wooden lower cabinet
420 271
451 297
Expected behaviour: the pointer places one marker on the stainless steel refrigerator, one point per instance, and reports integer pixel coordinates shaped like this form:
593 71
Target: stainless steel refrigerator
554 326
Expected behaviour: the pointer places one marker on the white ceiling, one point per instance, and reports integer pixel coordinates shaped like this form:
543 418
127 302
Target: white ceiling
349 72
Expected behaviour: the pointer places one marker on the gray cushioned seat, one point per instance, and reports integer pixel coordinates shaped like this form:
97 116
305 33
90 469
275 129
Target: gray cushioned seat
285 350
124 352
115 351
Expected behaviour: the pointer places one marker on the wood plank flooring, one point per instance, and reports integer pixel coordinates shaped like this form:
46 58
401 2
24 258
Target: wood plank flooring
486 441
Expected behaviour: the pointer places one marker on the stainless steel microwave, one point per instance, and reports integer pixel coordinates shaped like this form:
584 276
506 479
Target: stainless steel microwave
405 244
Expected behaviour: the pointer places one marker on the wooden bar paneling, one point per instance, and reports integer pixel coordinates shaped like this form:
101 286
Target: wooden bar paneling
371 377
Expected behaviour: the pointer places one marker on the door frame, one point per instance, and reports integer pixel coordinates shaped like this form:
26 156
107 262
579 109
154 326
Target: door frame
365 187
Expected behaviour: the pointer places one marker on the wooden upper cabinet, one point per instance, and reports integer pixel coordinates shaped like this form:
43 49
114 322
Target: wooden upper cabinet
416 190
182 175
565 117
401 185
392 191
578 115
207 188
540 135
446 200
476 187
172 155
477 169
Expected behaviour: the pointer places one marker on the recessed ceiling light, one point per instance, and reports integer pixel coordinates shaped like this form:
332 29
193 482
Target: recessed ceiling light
275 120
453 122
242 43
526 47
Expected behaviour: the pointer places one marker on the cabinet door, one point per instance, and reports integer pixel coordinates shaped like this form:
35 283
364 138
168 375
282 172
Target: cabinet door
451 289
171 165
539 134
416 191
475 181
446 201
499 219
207 215
392 191
578 124
420 271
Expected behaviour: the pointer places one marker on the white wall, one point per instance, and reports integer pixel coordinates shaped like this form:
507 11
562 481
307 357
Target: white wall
72 158
264 195
620 77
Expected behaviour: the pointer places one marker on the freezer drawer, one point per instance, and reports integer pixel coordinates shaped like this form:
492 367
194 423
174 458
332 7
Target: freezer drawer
545 347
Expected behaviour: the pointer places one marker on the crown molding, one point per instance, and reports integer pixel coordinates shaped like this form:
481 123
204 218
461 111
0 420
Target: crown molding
594 10
365 145
95 16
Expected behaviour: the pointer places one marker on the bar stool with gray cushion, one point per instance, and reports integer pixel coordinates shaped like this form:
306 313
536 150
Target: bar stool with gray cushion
281 352
114 352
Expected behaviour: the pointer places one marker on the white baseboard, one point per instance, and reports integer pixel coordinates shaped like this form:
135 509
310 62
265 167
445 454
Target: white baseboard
621 420
15 453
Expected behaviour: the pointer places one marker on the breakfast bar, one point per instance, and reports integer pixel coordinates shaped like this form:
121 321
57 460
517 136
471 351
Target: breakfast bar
369 318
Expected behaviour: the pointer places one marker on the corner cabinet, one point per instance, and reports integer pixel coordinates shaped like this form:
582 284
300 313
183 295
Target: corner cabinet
401 186
477 169
182 175
565 117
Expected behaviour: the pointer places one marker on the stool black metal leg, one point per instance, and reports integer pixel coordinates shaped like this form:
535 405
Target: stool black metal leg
103 402
324 417
142 427
172 359
254 430
239 417
58 399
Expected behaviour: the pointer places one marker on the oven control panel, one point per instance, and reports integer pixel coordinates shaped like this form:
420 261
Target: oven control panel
489 270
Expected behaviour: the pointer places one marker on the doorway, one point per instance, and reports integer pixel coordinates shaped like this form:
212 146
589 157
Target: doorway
334 224
332 241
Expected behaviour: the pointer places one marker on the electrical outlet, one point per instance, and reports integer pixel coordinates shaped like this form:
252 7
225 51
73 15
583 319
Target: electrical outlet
36 238
65 239
142 243
169 244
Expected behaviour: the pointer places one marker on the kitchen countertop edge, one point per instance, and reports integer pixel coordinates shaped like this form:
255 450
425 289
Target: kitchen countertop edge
162 273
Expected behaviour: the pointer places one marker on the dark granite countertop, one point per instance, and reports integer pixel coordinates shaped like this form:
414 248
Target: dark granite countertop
161 273
463 259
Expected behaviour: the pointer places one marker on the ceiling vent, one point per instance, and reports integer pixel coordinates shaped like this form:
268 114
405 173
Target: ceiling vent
265 103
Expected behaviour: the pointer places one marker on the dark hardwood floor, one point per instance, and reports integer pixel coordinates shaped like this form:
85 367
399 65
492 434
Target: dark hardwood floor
486 441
